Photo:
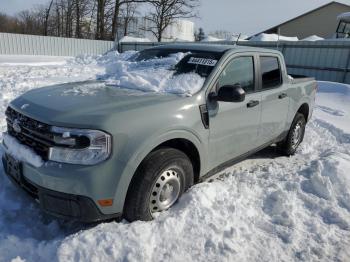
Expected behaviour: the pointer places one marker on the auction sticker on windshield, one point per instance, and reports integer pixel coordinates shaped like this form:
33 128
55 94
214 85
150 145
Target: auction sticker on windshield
202 61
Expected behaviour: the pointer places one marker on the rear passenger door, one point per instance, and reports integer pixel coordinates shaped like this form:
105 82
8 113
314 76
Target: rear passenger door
274 98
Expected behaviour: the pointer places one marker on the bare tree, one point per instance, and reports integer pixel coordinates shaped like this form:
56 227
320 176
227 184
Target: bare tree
118 6
166 12
78 18
47 15
83 9
127 15
7 23
100 27
99 19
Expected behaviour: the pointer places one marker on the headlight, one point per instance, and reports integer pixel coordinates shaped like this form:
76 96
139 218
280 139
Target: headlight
80 146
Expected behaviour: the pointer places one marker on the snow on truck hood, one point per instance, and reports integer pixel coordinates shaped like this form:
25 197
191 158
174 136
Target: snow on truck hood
123 85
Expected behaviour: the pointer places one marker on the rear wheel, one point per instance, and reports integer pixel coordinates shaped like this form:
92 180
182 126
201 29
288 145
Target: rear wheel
295 135
159 182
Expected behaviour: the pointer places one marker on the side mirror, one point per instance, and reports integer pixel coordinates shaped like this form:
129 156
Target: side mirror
230 93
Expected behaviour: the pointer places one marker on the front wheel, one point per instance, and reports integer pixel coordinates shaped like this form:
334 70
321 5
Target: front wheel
295 135
159 182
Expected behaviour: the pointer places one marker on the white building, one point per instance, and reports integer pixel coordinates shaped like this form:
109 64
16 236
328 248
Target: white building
180 30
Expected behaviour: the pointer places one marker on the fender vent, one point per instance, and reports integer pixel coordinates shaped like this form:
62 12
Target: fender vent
204 115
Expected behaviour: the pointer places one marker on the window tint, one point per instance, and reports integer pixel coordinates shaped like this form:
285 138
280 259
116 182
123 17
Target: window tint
271 72
239 71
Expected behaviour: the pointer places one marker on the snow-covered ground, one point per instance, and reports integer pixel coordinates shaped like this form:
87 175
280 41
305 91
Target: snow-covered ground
266 208
126 39
273 37
313 38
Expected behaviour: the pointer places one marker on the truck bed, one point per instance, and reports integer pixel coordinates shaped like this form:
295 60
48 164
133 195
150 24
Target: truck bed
297 79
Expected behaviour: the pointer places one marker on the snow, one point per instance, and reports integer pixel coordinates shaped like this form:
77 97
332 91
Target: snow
126 39
212 39
15 60
153 75
313 38
273 37
334 105
266 208
21 152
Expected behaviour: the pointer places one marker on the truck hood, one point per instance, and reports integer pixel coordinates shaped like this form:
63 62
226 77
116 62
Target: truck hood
79 103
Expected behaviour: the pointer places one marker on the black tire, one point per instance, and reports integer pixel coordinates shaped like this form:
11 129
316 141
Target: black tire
138 200
289 146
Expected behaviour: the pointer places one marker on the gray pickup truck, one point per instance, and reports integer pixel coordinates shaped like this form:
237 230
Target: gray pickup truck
123 154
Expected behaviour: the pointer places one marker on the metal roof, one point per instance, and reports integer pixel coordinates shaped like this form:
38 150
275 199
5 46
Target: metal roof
302 15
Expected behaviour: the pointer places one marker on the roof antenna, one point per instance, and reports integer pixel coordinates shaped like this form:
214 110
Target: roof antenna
237 40
278 39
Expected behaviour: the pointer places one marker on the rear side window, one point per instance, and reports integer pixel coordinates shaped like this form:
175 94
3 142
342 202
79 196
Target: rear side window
271 72
239 71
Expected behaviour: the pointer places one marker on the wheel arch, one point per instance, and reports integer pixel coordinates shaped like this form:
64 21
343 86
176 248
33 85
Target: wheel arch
184 141
189 149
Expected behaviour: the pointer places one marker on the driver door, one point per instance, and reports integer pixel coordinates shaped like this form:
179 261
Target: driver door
234 126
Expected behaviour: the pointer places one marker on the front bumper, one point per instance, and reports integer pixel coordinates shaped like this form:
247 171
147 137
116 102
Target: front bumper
63 205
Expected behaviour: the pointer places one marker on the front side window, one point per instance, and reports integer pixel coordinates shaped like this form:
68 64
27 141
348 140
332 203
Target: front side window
271 72
239 71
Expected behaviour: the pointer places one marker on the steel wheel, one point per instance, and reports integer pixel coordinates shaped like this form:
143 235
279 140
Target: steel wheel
165 191
297 134
163 176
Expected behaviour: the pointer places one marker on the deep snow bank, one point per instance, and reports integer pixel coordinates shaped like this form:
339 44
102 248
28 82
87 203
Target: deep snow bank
267 208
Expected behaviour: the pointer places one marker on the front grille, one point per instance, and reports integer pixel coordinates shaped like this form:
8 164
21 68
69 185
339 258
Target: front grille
33 133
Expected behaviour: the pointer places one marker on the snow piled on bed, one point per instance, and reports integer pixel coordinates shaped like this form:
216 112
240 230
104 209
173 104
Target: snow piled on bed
266 208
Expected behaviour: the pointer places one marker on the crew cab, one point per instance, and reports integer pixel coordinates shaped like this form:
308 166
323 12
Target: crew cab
119 154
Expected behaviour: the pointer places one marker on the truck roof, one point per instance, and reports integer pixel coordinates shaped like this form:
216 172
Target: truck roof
212 48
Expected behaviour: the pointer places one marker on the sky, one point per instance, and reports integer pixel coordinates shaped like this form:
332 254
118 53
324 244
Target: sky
236 16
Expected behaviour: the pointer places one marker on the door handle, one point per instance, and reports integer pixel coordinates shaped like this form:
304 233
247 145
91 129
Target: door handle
283 95
252 103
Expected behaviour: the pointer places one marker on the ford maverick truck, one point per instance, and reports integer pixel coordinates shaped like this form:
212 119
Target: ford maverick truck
122 154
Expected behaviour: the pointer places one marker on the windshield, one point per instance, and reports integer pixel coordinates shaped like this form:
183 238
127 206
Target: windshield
198 62
176 71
